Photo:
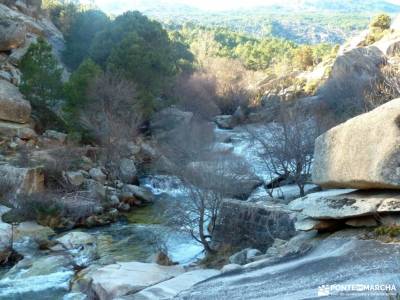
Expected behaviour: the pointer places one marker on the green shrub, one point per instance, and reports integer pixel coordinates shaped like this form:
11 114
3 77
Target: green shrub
391 231
41 75
140 50
42 85
378 27
82 30
44 208
382 21
75 92
304 58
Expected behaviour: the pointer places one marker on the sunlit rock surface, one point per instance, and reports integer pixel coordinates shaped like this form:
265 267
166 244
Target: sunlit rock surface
362 153
341 260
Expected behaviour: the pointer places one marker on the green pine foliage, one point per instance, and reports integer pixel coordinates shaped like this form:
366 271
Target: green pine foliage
254 53
75 92
84 27
41 75
140 50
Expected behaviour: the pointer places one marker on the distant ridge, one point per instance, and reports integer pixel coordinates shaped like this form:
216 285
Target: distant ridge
163 7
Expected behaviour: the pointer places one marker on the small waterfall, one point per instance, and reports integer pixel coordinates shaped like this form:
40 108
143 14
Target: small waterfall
164 184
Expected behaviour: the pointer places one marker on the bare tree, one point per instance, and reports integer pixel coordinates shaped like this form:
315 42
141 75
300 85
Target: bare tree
207 178
287 147
383 89
113 114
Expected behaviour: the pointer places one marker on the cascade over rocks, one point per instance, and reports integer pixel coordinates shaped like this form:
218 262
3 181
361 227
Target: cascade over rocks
362 153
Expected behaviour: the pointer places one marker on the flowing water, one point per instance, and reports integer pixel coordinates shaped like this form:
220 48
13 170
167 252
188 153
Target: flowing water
136 237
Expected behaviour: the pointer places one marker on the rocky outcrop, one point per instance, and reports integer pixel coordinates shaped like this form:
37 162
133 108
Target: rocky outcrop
13 106
242 224
336 260
12 34
169 120
23 180
362 153
35 25
170 288
359 63
389 44
9 129
335 208
112 281
127 170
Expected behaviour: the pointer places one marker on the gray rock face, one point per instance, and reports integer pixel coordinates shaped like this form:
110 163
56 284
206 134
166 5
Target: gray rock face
13 107
18 53
59 137
341 206
243 224
9 129
334 261
98 175
75 178
127 170
225 121
12 34
82 246
244 256
169 120
139 192
112 281
23 180
172 287
358 155
364 62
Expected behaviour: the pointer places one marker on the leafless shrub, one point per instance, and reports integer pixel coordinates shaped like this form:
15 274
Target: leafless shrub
287 147
61 160
198 93
190 143
80 204
113 114
233 83
343 97
207 179
384 89
40 206
6 188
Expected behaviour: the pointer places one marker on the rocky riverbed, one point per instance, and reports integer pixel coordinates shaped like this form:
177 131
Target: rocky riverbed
137 236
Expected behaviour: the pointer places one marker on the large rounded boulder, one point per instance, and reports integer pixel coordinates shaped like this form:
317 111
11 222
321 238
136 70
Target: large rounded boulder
13 106
362 153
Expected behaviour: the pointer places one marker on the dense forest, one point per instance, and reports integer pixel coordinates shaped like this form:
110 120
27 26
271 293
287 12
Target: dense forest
157 61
